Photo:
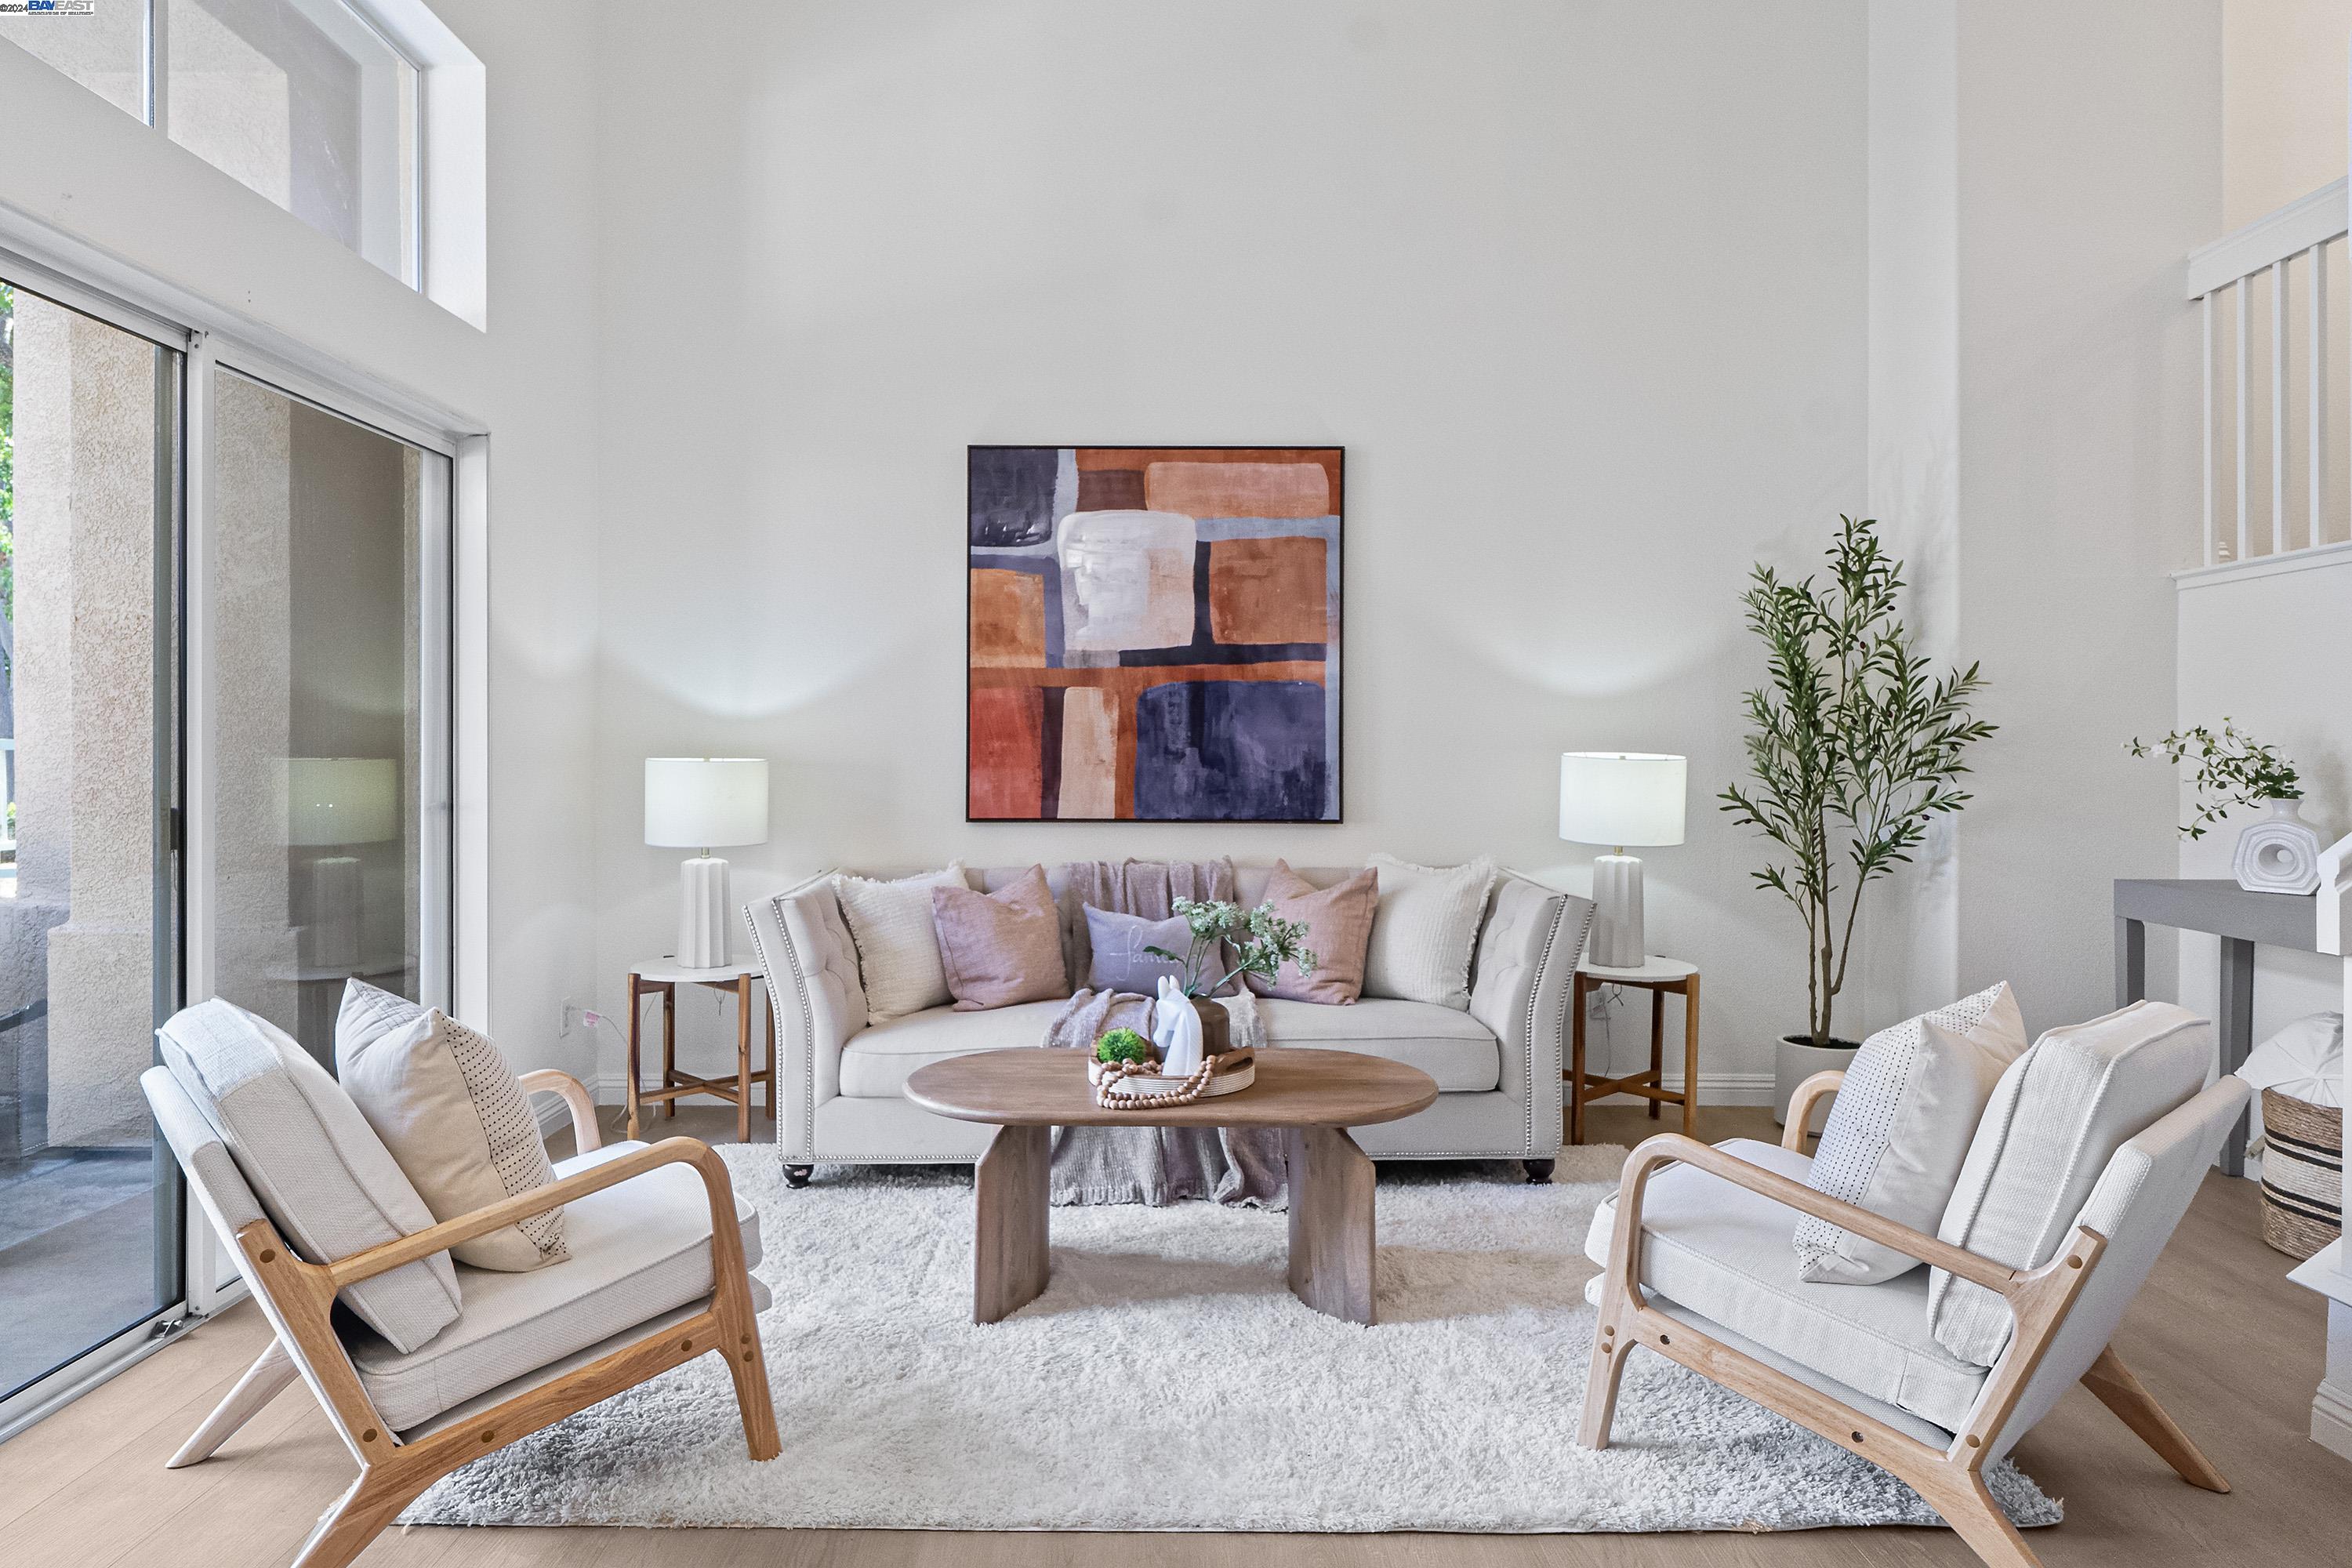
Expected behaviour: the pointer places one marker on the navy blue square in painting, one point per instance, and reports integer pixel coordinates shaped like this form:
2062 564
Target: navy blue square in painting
1012 494
1231 751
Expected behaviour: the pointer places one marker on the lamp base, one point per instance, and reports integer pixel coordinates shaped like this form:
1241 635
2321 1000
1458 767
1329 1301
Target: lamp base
1617 939
702 913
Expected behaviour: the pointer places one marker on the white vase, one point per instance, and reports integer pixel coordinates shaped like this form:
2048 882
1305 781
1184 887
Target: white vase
1796 1060
2280 854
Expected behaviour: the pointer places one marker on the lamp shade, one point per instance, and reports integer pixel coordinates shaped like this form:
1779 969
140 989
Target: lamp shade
1621 798
342 800
701 802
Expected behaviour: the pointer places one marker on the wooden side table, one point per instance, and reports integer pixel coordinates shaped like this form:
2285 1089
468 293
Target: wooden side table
1656 976
664 977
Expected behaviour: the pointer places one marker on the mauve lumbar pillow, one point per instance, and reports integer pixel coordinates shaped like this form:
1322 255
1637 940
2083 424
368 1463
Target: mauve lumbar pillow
1339 925
1121 964
997 949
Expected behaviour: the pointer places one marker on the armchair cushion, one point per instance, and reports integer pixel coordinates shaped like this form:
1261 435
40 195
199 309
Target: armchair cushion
317 1169
639 1250
1724 1253
2057 1116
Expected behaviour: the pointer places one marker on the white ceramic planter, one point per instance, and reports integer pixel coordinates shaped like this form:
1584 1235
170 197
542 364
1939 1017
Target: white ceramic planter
1796 1060
2280 854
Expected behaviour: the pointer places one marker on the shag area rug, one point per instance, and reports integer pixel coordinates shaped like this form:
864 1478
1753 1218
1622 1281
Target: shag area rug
1167 1380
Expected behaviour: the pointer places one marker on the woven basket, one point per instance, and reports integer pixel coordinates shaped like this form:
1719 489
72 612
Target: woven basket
2302 1173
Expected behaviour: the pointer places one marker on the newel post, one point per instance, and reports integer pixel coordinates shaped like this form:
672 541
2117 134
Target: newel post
2329 1271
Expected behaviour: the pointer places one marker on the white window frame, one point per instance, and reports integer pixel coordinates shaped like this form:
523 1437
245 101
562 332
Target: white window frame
455 565
449 254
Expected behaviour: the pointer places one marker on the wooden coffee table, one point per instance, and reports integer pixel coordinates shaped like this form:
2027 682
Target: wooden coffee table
1313 1096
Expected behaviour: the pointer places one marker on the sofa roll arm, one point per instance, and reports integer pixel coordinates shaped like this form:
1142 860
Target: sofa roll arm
810 962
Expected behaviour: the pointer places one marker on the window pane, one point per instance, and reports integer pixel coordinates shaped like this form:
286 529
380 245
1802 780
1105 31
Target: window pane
307 105
88 1236
326 783
104 48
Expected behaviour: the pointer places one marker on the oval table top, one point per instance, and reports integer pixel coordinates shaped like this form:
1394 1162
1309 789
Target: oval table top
1032 1086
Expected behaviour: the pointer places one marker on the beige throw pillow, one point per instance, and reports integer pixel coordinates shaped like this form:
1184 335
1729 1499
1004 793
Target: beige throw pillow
898 950
1900 1129
1424 929
447 1106
997 949
1338 923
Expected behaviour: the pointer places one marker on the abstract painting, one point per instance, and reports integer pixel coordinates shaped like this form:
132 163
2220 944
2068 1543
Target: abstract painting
1154 634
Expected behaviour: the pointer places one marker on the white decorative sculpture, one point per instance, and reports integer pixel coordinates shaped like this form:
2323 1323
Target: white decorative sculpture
2280 854
1176 1030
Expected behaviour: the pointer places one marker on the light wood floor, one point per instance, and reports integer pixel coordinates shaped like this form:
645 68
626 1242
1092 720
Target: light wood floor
2231 1349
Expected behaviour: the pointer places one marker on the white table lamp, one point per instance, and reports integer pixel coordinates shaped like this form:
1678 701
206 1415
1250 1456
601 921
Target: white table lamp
335 804
705 802
1620 799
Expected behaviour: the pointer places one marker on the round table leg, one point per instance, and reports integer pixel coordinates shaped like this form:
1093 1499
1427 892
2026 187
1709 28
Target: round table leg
629 1089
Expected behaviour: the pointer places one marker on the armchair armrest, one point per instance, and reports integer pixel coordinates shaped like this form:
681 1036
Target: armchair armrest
1669 1148
585 1135
1801 1107
727 1240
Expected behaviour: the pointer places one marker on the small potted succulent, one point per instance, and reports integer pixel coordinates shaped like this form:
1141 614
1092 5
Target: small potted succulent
1257 942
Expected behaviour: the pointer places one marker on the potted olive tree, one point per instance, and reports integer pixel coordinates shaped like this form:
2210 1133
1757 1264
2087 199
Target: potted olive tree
1854 744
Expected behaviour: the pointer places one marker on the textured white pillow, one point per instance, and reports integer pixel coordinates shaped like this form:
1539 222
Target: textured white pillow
1424 929
898 951
2057 1116
318 1168
1900 1129
447 1106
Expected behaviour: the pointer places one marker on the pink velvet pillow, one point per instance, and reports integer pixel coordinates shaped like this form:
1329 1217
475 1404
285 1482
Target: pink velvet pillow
1339 929
997 949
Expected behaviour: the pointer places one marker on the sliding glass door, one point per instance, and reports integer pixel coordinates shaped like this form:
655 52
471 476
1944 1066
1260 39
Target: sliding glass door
329 709
89 765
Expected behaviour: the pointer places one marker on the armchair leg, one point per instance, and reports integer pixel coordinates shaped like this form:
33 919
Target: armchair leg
1975 1519
2137 1408
263 1381
747 1363
345 1530
1609 1344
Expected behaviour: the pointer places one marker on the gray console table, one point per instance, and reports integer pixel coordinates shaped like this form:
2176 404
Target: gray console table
2242 920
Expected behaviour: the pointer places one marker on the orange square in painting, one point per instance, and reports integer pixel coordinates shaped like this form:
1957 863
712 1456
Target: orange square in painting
1008 753
1008 620
1268 590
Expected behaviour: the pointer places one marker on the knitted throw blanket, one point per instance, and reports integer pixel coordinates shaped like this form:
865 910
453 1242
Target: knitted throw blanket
1154 1164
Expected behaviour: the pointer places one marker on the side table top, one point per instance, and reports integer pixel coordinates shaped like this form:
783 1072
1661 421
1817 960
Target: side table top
669 970
1653 969
1298 1086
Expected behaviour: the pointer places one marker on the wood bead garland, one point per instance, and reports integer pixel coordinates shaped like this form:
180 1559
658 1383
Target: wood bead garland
1111 1097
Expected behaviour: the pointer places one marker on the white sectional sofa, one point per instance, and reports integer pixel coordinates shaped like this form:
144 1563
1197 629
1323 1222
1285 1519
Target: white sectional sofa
1497 1065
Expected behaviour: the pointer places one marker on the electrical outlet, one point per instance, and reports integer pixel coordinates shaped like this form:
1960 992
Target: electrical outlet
563 1022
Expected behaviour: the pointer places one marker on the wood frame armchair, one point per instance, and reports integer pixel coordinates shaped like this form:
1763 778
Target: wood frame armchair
1951 1479
296 1297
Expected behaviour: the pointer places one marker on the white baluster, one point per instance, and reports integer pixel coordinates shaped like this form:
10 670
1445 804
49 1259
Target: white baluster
2278 407
2205 305
2317 401
2245 316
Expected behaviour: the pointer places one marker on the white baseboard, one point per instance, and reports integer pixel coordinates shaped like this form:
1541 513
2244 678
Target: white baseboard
2331 1420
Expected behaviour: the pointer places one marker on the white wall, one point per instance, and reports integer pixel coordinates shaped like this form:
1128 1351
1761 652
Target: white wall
2089 167
1579 287
78 165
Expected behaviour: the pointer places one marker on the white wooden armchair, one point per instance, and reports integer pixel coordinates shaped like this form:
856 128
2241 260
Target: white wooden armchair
1691 1247
430 1364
